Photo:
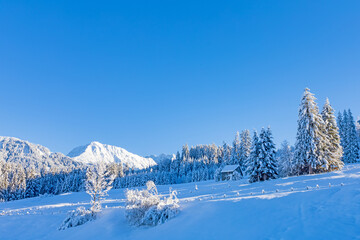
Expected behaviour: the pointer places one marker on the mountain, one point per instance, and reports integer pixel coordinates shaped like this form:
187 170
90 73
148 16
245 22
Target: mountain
95 152
29 154
161 157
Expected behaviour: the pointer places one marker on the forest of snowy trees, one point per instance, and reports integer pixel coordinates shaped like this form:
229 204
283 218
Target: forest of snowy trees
323 143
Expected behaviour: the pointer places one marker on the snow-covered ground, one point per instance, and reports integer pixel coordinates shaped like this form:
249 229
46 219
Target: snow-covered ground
324 206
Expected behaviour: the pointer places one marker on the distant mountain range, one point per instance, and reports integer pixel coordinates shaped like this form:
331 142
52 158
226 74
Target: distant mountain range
34 155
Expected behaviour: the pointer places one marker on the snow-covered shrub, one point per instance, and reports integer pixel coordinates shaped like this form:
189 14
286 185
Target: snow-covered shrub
77 217
145 207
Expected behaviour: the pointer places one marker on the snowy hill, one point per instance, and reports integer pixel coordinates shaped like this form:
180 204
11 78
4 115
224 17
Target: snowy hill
322 206
95 152
30 154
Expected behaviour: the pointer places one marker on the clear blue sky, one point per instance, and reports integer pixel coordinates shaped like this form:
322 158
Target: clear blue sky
150 76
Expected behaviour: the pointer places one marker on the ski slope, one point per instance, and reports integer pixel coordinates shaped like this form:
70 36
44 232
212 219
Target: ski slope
324 206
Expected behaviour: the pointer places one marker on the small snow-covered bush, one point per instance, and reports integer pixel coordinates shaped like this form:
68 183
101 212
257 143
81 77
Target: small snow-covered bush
145 207
77 217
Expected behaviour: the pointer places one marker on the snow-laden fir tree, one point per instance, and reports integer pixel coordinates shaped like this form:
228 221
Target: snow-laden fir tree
98 183
311 140
245 148
253 164
267 156
349 139
340 124
333 149
185 152
358 128
226 158
286 159
235 154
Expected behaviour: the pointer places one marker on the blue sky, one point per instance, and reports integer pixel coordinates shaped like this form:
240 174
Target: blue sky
150 76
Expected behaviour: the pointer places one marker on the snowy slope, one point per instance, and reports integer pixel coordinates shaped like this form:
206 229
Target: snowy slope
30 154
304 207
95 152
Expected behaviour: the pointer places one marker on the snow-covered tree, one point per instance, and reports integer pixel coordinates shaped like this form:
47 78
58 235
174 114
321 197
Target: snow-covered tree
185 152
245 148
286 159
333 150
349 138
235 153
98 183
226 158
253 164
267 157
311 140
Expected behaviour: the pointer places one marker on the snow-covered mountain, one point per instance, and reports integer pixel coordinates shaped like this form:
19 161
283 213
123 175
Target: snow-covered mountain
95 152
161 157
29 154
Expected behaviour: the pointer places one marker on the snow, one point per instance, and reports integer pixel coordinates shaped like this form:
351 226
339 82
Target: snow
95 152
285 208
229 168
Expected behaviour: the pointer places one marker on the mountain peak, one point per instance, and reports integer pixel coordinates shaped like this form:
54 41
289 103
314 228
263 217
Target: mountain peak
96 152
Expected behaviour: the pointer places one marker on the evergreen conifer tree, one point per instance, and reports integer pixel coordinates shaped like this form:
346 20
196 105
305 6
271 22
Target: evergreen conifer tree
253 164
311 141
245 148
235 154
333 149
351 143
267 156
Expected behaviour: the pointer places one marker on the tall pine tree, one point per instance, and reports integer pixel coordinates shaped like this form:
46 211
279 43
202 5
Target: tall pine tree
245 148
350 142
235 154
311 142
253 164
267 157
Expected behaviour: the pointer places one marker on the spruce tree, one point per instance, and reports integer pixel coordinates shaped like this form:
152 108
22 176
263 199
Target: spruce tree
245 148
310 143
333 149
340 124
235 154
226 154
253 164
351 144
267 156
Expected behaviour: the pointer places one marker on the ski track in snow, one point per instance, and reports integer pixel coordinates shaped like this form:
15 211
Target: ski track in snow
312 207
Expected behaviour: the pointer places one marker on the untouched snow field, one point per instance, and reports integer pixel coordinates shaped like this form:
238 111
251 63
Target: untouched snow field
304 207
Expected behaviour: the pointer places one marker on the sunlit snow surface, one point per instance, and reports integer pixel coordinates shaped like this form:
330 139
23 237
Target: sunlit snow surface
325 206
